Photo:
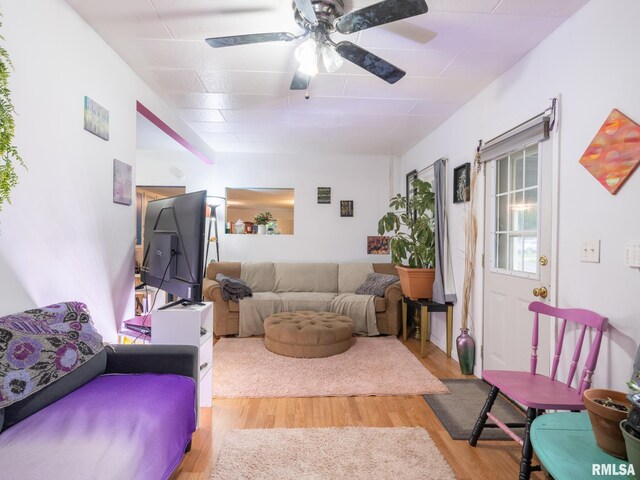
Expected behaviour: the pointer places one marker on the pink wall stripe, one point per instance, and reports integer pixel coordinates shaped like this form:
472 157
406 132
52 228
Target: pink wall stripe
153 118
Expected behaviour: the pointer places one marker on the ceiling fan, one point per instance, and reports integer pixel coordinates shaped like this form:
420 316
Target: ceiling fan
319 19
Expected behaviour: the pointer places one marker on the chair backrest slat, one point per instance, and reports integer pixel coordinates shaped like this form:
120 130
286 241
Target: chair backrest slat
576 356
556 357
585 318
534 345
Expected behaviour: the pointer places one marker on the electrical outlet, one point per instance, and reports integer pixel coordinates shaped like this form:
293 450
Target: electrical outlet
632 254
590 251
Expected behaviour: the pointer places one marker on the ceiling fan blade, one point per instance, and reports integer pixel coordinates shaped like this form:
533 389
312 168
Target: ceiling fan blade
380 13
370 62
233 40
306 9
300 81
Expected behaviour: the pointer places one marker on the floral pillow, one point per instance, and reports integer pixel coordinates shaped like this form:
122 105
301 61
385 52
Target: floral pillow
37 347
376 284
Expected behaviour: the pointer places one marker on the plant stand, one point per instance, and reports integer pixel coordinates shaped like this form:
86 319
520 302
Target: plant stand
426 307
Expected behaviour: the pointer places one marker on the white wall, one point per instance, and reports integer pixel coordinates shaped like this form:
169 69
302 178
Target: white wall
590 61
321 235
63 238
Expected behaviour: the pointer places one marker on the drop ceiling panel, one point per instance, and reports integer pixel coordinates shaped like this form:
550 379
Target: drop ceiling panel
448 89
173 80
541 8
200 115
222 101
339 105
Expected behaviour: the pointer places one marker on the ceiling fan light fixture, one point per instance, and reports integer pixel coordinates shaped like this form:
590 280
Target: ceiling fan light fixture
307 56
331 59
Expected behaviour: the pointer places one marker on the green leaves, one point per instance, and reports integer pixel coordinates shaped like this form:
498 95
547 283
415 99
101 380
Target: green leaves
413 236
8 152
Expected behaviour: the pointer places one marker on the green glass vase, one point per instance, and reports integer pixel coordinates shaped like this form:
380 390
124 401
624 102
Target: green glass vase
466 351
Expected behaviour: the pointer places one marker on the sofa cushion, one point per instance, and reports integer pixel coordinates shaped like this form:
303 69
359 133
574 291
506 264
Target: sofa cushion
22 409
114 427
260 276
352 275
306 277
313 301
230 269
376 284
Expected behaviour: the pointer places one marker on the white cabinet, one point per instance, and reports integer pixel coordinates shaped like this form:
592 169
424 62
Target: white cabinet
189 325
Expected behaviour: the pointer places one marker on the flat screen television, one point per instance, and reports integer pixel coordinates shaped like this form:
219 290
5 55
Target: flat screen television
173 251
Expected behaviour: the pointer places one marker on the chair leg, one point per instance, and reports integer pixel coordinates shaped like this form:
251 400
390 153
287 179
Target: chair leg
527 449
482 418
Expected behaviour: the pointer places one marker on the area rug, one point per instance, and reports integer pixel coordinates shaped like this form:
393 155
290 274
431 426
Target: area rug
244 368
459 411
330 453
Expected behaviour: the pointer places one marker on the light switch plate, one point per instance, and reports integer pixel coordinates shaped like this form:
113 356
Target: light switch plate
632 254
590 251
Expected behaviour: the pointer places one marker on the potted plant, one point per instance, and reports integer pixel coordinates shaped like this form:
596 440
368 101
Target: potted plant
630 427
412 227
607 408
9 156
261 220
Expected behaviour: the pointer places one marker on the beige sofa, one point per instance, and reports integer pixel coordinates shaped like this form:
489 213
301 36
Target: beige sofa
301 286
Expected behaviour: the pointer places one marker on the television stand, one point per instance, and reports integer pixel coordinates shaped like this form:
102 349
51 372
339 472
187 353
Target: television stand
184 303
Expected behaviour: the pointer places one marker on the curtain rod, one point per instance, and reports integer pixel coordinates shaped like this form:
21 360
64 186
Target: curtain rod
444 160
550 110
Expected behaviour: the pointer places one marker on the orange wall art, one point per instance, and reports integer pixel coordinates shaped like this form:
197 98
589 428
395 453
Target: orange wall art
614 153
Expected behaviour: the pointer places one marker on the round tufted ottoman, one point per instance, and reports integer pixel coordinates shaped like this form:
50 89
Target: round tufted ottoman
308 334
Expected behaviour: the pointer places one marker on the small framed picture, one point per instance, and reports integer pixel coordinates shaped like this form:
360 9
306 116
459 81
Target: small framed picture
461 177
122 182
378 245
96 118
324 194
346 208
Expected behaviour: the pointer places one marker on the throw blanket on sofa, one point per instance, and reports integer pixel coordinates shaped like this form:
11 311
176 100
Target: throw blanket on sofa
37 347
359 308
232 288
255 310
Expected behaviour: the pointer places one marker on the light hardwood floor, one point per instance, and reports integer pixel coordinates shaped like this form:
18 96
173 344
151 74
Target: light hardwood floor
489 460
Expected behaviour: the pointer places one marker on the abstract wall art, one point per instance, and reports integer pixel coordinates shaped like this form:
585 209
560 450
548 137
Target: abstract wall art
614 153
122 182
96 119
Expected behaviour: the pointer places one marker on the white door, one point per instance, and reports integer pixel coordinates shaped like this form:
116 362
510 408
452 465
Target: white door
517 256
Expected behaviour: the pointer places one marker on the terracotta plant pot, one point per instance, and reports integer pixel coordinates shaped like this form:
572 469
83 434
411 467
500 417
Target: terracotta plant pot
605 421
416 282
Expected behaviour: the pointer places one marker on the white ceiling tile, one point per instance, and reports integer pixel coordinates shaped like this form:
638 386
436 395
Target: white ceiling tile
541 8
261 57
462 6
446 89
339 105
131 18
183 54
219 137
434 107
244 127
480 65
256 116
259 83
200 115
173 80
223 101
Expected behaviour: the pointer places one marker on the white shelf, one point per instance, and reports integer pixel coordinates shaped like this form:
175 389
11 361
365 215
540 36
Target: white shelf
180 325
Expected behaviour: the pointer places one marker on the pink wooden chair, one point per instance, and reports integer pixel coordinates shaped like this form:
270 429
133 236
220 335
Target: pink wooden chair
539 392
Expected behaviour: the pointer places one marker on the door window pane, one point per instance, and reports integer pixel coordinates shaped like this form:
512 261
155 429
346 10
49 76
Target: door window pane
516 211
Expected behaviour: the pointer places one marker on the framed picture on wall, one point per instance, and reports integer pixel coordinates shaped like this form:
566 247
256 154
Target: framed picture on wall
324 195
346 208
122 183
461 177
96 118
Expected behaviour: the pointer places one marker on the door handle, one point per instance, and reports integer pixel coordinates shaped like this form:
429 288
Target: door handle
541 292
